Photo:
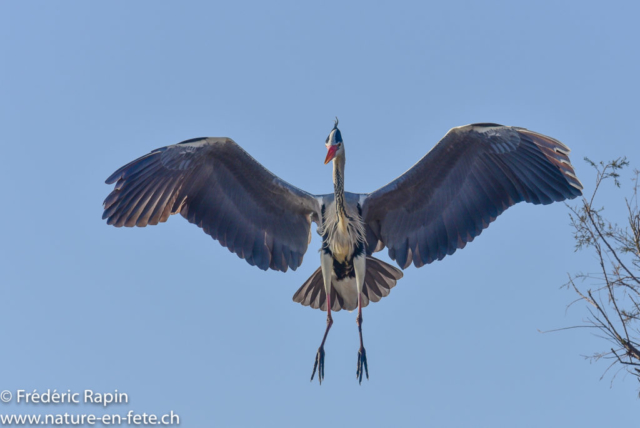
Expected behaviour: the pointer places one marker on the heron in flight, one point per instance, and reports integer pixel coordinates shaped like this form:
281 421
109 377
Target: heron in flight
439 205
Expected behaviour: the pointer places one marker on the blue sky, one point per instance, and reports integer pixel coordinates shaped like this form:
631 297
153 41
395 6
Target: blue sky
170 317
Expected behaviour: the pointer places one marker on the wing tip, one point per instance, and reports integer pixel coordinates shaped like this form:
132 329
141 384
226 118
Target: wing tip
113 177
551 142
561 149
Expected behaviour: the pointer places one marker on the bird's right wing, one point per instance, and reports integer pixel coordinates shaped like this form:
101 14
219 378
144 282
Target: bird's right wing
469 178
216 185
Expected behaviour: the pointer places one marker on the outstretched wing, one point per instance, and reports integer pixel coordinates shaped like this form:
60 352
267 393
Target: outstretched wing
216 185
468 179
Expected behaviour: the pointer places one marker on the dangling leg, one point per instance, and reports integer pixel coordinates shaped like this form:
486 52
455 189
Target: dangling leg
327 268
360 268
319 363
362 353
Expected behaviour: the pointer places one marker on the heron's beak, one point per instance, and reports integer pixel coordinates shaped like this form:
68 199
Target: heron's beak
331 153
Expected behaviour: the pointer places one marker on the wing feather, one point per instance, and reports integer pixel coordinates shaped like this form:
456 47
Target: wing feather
462 185
216 185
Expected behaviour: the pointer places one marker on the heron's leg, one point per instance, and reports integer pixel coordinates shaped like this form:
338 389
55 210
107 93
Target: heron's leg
362 353
319 362
360 268
327 269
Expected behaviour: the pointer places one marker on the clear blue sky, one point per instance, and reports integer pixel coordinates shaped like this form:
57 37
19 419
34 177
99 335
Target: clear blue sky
179 323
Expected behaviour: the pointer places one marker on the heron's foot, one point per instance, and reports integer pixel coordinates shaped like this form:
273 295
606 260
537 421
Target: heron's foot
362 364
319 364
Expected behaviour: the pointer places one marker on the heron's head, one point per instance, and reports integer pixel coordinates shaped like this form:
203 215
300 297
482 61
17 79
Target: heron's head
335 147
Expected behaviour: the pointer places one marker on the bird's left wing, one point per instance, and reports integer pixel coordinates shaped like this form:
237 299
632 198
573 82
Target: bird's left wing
469 178
219 187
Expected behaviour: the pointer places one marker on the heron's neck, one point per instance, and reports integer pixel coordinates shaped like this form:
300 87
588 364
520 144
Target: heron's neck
338 187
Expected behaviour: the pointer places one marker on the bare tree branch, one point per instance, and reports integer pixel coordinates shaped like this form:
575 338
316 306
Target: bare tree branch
614 310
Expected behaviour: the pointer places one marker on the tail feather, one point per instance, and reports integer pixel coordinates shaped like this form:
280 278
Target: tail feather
379 279
312 293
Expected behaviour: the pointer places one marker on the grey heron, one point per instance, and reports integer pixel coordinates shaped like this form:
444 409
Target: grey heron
439 205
